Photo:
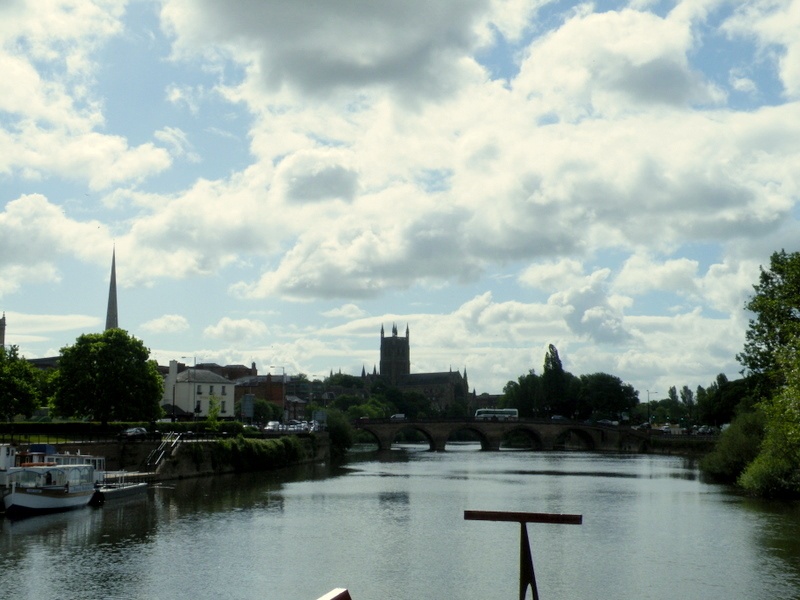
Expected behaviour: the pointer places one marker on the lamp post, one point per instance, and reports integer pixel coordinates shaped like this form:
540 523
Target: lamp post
191 384
283 388
649 421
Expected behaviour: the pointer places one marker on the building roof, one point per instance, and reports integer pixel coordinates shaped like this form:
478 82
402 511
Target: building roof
431 378
201 376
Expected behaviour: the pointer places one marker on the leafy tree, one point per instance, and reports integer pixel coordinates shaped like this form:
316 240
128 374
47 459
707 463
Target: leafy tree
776 305
554 382
776 469
607 395
723 399
345 381
525 395
18 385
340 432
687 397
415 405
108 377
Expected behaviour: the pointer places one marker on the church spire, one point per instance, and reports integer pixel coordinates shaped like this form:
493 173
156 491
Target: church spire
111 314
3 330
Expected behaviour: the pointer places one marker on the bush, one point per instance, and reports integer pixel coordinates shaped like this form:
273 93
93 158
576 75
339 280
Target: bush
737 447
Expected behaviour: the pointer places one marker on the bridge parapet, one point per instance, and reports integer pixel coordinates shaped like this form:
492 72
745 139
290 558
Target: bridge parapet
545 435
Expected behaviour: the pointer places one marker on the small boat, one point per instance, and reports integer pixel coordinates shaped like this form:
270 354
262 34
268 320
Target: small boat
114 485
39 489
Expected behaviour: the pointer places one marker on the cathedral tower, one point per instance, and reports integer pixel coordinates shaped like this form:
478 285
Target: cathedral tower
395 356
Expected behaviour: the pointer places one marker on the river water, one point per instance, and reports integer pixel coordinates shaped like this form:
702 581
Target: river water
392 526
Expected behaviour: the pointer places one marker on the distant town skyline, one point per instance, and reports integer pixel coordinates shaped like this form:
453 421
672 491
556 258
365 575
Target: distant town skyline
278 180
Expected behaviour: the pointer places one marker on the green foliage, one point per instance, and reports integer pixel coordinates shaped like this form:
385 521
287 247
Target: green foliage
340 432
19 389
344 402
723 399
213 411
525 395
776 469
738 445
554 383
607 396
246 454
776 305
108 376
345 381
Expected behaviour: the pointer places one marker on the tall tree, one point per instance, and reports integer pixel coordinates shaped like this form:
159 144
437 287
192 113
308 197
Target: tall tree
687 397
776 306
554 384
106 377
18 385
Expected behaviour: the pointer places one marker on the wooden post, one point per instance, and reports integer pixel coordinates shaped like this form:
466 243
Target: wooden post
527 576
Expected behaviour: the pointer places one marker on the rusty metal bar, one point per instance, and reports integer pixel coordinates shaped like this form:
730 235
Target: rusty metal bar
527 577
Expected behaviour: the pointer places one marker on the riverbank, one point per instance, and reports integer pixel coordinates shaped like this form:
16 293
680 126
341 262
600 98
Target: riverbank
167 460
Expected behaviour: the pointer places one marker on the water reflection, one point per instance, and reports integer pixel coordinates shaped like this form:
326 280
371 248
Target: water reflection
391 526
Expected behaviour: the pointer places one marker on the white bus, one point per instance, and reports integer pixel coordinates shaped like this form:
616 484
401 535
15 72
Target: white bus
496 414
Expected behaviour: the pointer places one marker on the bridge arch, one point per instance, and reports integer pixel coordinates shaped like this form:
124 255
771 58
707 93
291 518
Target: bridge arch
574 439
542 435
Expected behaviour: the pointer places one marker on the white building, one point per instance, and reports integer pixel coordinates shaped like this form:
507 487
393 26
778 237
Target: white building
189 394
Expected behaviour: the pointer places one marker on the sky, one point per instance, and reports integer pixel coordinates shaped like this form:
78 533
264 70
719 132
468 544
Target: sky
281 179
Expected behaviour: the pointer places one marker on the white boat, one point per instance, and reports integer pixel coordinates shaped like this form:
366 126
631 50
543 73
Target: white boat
48 488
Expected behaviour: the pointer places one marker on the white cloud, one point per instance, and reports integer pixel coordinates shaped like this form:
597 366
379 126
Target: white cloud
387 170
166 324
178 143
236 330
346 311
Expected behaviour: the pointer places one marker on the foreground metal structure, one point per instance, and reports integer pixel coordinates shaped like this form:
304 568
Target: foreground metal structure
527 576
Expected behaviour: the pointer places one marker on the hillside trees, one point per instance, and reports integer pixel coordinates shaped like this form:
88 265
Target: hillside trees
108 377
18 385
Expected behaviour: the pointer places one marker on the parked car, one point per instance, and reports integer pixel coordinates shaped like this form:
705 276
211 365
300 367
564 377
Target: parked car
133 433
273 426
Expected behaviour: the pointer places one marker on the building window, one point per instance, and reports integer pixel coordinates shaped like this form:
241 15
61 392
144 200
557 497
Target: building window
200 390
224 392
210 389
197 408
223 406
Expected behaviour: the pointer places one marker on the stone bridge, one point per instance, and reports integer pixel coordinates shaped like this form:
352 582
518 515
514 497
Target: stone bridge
541 434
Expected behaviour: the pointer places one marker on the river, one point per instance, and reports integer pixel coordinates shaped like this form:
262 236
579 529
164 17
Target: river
391 527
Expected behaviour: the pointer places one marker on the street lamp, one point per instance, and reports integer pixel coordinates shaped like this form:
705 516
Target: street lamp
191 384
649 420
283 388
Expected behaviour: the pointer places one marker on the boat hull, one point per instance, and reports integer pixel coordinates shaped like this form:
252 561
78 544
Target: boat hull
42 500
122 490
